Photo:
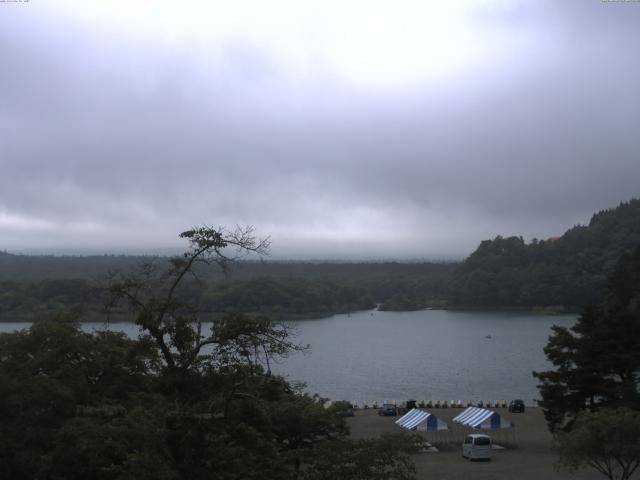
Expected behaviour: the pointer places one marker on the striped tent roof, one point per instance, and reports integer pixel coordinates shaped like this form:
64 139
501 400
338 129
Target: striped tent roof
417 419
476 417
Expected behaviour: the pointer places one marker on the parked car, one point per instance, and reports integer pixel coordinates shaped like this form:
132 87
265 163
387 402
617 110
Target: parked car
388 410
516 406
477 447
407 406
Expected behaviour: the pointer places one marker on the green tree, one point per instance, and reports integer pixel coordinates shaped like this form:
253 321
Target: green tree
597 361
176 403
384 458
112 443
158 302
51 372
607 440
569 271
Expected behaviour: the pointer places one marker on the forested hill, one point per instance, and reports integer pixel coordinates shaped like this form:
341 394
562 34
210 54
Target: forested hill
32 285
570 271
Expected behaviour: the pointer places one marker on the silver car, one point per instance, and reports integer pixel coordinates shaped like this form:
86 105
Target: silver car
477 447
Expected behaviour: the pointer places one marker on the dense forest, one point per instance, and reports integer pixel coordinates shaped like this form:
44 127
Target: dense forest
562 273
568 272
36 285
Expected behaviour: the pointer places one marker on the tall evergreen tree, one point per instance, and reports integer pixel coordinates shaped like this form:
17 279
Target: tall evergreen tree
597 361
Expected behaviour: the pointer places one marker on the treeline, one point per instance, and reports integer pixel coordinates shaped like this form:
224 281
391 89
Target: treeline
35 268
321 289
564 273
568 272
288 296
24 299
279 289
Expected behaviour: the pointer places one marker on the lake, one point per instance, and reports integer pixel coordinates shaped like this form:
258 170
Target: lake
430 354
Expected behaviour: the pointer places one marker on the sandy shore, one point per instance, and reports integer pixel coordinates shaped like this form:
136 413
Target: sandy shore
530 457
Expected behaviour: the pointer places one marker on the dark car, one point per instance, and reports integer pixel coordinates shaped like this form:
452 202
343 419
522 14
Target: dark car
388 410
516 406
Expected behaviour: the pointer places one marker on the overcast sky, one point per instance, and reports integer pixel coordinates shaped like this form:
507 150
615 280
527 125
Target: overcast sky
364 129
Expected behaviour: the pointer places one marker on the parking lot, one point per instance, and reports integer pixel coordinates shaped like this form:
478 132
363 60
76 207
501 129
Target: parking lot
531 457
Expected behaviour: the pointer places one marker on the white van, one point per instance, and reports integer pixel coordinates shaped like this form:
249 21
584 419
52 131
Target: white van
477 446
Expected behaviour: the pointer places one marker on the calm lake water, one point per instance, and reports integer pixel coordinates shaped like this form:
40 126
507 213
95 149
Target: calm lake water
431 354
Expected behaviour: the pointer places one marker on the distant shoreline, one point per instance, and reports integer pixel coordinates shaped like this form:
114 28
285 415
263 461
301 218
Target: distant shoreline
92 317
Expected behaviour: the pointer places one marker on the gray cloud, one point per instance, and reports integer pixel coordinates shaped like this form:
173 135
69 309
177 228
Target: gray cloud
111 139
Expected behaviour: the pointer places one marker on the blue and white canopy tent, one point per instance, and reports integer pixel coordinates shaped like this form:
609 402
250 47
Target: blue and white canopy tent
421 420
482 418
425 422
476 417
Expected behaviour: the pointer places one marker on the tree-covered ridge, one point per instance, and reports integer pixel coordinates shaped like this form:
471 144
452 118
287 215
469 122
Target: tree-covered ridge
281 289
566 272
570 271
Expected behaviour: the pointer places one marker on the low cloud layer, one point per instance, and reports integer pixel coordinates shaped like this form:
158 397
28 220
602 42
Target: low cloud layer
521 119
